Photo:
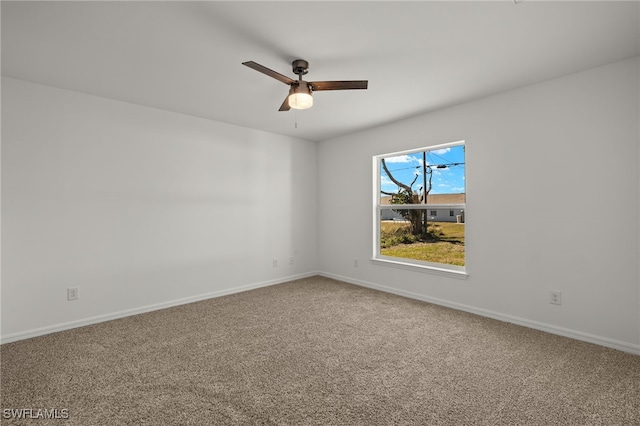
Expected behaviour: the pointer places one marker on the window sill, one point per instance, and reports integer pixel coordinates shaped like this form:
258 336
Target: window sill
460 274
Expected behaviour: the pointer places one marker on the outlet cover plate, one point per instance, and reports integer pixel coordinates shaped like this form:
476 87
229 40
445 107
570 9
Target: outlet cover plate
72 293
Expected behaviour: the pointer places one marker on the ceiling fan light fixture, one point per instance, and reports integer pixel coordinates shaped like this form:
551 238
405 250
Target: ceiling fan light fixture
300 96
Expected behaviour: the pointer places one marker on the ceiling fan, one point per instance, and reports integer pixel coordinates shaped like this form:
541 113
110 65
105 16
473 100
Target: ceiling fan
300 91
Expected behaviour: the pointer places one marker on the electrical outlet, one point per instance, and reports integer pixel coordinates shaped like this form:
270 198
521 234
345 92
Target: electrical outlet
72 293
555 297
355 262
275 263
291 261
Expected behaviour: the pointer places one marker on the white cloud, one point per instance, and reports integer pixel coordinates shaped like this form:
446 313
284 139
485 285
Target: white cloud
400 159
385 181
441 151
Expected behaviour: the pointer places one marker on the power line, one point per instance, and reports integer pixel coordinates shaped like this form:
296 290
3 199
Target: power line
433 166
437 155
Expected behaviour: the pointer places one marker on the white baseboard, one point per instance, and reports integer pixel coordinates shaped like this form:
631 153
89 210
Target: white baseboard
578 335
598 340
148 308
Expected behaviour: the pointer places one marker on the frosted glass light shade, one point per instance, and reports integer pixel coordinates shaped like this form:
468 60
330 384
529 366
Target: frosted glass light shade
300 100
300 95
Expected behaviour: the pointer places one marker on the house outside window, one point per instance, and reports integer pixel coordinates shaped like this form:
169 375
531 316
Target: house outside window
413 191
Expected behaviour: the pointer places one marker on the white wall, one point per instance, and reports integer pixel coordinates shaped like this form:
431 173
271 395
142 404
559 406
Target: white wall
141 208
569 145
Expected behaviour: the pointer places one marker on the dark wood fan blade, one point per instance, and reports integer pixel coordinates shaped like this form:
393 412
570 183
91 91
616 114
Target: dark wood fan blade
338 85
285 105
270 73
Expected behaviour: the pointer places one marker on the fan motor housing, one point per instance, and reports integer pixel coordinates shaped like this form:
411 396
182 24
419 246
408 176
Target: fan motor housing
300 66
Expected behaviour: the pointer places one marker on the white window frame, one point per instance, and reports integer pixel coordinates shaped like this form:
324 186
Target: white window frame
454 271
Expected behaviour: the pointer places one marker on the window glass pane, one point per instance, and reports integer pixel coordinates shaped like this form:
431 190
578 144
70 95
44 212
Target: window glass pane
437 175
403 238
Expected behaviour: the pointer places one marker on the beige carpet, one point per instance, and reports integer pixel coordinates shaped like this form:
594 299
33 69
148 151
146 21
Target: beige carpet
317 352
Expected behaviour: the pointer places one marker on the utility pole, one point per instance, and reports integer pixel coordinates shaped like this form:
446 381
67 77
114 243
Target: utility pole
424 190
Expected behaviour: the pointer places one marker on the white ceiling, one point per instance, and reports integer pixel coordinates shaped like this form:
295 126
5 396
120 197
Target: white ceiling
418 56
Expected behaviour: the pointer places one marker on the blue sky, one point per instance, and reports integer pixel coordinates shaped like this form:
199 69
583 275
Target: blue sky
449 180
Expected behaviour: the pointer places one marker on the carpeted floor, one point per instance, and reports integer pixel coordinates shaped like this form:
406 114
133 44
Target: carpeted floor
316 352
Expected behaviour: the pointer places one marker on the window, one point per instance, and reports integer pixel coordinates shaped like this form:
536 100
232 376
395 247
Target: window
411 188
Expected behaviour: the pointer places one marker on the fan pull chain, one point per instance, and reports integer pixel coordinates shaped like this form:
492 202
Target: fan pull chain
295 118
